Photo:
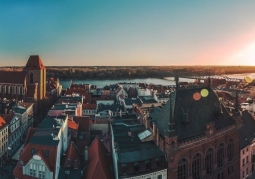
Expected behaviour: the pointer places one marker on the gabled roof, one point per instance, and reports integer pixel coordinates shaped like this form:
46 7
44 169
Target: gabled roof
99 162
8 117
72 153
13 77
191 116
34 63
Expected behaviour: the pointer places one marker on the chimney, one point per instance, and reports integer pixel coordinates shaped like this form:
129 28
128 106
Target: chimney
154 129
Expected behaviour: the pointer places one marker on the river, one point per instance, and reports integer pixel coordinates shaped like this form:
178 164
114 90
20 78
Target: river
157 81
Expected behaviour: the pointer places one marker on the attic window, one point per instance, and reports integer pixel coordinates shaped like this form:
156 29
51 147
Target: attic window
32 151
47 153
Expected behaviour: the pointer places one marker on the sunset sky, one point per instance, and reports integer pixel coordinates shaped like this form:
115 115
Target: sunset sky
128 32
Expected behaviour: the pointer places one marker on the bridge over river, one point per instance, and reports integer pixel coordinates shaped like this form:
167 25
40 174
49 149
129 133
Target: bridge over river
206 77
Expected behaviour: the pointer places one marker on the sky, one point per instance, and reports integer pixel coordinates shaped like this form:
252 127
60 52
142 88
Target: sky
127 32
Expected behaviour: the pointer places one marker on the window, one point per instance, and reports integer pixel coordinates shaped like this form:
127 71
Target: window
196 166
32 151
247 172
47 153
243 161
41 171
220 175
247 159
247 149
230 169
220 155
136 167
182 169
159 177
32 169
31 78
230 150
209 161
243 151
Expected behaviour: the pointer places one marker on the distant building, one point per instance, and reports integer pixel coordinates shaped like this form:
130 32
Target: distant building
28 85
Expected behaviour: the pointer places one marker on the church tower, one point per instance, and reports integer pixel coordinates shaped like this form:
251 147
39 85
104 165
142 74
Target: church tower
36 75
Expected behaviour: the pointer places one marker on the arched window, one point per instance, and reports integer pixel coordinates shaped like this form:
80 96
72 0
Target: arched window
196 162
31 78
209 160
230 150
220 155
182 169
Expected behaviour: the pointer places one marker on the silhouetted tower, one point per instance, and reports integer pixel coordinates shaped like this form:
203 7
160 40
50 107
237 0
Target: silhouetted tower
36 74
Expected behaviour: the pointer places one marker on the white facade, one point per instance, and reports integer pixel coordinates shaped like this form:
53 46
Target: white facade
3 140
86 112
14 138
37 168
143 92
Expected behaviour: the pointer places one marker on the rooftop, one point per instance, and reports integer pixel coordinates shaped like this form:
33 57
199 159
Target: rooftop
190 113
131 148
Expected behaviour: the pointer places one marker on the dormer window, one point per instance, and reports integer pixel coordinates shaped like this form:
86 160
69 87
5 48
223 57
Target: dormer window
47 153
32 151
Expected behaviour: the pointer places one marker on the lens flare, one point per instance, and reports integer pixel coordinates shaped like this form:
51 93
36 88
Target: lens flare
204 92
196 96
248 79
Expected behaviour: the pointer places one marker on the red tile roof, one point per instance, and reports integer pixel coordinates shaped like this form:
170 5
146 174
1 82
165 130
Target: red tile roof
2 123
30 133
34 63
40 150
83 122
73 125
72 154
9 117
13 77
99 162
89 106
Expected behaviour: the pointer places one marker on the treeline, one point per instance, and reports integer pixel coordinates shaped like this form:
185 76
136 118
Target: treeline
121 72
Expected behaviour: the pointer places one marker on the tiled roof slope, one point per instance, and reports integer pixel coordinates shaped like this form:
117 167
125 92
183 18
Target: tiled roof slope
99 162
2 123
247 133
191 116
34 63
72 153
12 77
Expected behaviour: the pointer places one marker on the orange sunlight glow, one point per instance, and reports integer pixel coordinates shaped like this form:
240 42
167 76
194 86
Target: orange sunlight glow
245 56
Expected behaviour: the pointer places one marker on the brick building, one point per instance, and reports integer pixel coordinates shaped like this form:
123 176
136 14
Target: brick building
199 136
